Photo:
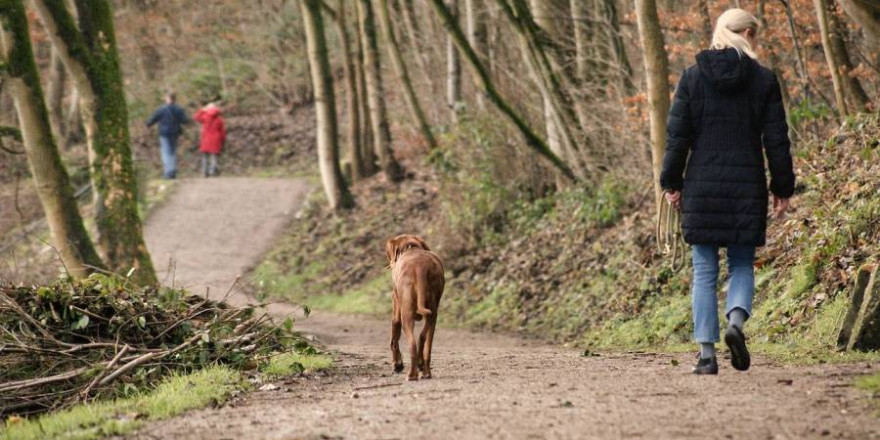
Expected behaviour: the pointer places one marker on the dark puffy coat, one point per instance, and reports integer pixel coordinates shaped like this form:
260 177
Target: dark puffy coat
726 115
170 118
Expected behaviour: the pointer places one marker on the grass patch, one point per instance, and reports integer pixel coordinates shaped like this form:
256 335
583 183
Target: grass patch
174 395
370 298
286 364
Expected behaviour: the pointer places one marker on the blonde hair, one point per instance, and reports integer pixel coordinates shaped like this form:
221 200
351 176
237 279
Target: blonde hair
728 28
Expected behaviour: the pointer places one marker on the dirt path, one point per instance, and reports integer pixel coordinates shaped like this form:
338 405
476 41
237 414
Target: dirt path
496 387
210 231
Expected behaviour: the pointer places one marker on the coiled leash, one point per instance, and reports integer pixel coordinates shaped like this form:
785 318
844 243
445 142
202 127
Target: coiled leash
670 242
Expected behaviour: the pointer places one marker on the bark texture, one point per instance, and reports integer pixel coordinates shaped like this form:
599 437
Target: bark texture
88 49
325 107
376 92
412 102
657 75
69 235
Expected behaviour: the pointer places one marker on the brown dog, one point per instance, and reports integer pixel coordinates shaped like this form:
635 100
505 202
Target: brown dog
417 284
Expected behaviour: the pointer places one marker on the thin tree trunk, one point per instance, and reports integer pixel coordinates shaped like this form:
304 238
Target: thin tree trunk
853 88
703 6
351 94
365 128
774 64
581 32
91 58
453 68
53 184
55 96
830 57
620 55
543 18
376 93
412 102
476 34
421 54
801 67
657 75
73 120
484 81
325 107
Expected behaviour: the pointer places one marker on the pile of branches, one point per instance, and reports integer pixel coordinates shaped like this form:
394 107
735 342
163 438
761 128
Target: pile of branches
77 340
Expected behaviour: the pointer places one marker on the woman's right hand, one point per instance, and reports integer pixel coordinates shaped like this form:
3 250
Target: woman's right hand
674 199
780 206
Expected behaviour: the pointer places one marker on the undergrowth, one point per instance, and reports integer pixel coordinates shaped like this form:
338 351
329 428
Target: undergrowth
580 265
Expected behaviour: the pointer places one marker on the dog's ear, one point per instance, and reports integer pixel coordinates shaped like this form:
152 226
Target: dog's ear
391 250
422 243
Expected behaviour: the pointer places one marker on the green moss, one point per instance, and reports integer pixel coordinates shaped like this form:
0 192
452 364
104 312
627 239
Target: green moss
173 396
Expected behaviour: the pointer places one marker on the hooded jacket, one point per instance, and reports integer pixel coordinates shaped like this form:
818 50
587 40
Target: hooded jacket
727 115
213 130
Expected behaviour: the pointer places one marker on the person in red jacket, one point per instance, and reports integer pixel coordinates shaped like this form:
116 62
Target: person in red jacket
213 137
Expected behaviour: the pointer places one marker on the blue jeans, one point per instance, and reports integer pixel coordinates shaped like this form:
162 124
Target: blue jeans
740 291
168 147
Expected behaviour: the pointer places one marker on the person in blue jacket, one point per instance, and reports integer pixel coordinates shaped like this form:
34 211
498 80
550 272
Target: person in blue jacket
171 120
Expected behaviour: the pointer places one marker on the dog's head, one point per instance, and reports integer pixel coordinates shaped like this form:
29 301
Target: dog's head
396 246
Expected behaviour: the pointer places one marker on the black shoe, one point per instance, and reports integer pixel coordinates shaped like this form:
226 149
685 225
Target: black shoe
739 353
706 366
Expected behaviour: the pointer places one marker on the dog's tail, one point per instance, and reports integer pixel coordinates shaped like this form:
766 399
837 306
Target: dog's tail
422 293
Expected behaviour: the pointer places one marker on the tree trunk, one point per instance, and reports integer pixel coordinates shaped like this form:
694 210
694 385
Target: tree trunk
453 67
376 93
69 236
91 58
55 97
476 34
560 121
421 53
73 121
801 67
484 82
351 94
830 57
412 102
867 14
365 128
852 86
325 107
703 6
542 13
625 71
581 32
657 73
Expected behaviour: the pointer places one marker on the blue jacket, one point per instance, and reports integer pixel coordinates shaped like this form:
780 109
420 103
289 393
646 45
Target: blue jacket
170 118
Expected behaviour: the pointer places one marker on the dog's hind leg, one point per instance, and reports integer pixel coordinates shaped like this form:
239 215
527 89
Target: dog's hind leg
427 341
396 356
409 329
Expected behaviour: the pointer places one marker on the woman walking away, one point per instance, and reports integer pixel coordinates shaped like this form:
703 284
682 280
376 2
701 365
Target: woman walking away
727 113
213 137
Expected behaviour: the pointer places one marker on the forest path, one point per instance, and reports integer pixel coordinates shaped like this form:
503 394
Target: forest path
486 386
210 231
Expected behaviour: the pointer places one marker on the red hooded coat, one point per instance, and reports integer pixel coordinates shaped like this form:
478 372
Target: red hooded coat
213 130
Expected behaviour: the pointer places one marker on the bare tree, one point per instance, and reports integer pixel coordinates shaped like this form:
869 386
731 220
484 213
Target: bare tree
657 76
412 102
830 57
91 58
852 86
453 67
53 184
325 107
484 82
376 93
352 106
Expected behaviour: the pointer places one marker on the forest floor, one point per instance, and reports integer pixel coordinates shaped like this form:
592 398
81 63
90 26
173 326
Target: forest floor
485 385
